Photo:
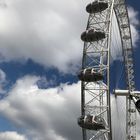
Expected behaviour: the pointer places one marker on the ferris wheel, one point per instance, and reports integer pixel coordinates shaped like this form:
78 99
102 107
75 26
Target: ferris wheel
96 118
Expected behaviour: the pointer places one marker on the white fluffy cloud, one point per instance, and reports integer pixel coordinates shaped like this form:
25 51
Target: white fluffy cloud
134 21
52 113
3 81
45 114
2 76
11 136
48 32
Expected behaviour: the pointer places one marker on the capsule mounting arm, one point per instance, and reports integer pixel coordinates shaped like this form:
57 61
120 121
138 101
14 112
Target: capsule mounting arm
134 95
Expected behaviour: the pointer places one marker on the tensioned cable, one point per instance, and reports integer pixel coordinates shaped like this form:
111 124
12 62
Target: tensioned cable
116 43
122 113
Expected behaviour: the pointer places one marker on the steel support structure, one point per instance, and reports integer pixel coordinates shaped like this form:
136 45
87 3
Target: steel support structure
95 96
125 33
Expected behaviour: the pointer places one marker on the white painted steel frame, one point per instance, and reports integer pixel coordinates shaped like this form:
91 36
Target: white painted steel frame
95 96
125 32
96 55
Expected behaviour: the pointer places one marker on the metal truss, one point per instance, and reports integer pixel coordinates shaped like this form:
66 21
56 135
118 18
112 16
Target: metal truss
124 27
95 95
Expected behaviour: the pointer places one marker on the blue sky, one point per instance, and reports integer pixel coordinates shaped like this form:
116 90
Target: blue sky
40 54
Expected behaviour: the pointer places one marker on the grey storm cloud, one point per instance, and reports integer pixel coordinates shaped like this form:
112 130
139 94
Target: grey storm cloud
46 31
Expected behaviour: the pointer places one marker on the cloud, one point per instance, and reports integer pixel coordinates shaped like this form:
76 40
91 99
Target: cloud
2 76
134 23
3 82
52 113
11 136
42 31
46 32
133 16
44 114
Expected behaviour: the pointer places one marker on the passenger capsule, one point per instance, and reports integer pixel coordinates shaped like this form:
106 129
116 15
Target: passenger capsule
89 122
96 6
136 102
132 110
92 35
132 123
124 26
131 137
126 37
90 75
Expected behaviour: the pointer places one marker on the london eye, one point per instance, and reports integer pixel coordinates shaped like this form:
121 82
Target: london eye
96 117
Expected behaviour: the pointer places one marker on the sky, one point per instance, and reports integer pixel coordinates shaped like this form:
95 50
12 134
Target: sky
40 55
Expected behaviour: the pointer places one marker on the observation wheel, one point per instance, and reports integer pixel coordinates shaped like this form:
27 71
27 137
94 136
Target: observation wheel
95 119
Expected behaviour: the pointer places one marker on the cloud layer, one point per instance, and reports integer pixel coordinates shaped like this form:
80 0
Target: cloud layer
3 82
48 32
134 21
42 31
44 114
48 114
11 136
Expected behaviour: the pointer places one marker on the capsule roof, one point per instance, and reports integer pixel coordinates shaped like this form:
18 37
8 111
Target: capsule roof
96 6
